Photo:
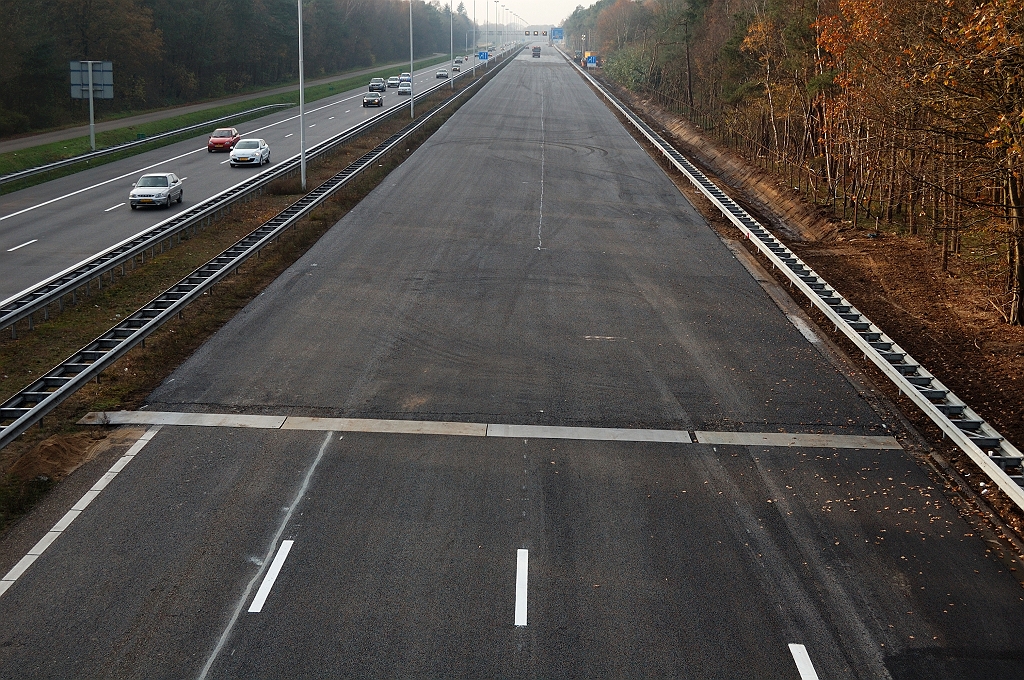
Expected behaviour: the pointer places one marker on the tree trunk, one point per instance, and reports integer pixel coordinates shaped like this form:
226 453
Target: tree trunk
1016 204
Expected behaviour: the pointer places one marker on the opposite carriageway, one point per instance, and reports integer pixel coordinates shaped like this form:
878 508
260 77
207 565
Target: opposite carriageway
66 285
28 406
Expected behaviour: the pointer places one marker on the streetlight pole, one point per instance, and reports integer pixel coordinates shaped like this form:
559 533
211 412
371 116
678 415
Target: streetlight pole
412 93
476 45
495 22
451 42
302 106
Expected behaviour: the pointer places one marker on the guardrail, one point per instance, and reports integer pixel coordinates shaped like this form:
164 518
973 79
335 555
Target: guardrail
67 283
31 404
979 440
81 158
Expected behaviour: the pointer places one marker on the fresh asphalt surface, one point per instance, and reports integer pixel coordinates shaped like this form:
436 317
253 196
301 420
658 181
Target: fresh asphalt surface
49 227
529 264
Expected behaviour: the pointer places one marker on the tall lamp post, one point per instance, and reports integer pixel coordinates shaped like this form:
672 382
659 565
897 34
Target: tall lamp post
451 42
412 95
495 23
476 46
302 107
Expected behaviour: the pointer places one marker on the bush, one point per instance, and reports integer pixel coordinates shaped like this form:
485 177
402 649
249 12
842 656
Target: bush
12 123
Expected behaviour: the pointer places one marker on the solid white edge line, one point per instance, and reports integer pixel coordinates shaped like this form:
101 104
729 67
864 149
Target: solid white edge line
522 568
71 515
268 581
803 662
26 243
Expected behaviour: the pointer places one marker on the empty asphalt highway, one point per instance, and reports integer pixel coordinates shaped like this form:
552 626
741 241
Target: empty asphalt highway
520 414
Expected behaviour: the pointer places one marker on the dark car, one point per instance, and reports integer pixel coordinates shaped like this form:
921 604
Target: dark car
223 139
377 85
373 99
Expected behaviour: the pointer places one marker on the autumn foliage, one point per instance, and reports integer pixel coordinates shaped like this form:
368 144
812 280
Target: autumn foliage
898 114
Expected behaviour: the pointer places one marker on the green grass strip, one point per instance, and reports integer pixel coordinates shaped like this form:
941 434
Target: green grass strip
13 161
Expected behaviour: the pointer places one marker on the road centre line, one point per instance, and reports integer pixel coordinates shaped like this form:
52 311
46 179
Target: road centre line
268 581
113 207
522 562
430 427
71 515
803 662
26 243
289 135
273 544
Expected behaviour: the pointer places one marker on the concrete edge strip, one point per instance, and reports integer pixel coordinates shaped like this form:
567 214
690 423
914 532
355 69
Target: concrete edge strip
71 515
784 439
773 439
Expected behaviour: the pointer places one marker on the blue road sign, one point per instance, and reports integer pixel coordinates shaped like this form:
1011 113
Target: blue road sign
592 60
482 56
557 34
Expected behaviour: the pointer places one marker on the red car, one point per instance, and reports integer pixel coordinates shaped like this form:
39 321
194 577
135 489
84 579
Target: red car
223 139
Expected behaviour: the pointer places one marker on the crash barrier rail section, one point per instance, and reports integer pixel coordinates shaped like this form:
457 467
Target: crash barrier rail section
68 282
29 406
81 158
979 440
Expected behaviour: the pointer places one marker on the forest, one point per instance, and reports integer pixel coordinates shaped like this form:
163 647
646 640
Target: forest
905 115
168 52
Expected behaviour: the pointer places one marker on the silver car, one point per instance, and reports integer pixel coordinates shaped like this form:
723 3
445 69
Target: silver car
405 87
250 152
158 188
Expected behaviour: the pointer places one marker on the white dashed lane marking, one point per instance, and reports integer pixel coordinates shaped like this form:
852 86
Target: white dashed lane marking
26 243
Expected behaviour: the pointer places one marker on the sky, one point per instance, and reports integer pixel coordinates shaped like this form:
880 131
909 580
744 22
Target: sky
539 12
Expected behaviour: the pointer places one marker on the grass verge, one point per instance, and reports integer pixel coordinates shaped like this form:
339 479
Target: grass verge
13 161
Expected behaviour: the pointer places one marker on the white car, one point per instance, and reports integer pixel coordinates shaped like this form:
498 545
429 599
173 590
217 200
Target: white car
405 87
441 73
393 81
250 152
158 188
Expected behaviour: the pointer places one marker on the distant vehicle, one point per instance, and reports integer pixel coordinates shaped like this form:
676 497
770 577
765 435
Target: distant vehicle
458 60
250 152
536 52
405 78
158 188
441 73
393 81
223 139
373 99
405 87
377 85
